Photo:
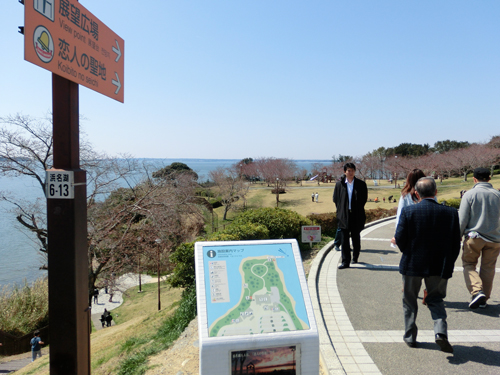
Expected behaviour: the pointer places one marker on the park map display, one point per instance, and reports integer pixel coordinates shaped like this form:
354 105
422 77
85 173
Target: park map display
253 289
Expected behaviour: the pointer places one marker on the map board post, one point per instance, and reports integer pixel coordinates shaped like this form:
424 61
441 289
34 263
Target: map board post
254 310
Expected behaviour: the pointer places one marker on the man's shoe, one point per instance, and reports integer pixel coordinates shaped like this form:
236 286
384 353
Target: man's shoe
484 305
443 343
477 299
343 265
337 248
411 344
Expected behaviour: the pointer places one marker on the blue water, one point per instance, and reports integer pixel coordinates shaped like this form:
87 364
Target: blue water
19 255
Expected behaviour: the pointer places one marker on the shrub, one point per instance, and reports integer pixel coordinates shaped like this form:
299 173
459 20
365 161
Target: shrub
281 223
183 274
452 202
379 213
258 224
216 203
247 231
327 221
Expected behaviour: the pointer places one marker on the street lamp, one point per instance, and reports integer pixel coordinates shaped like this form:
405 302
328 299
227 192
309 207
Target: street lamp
139 240
158 241
277 192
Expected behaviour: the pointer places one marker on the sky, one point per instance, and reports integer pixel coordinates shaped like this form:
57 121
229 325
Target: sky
304 80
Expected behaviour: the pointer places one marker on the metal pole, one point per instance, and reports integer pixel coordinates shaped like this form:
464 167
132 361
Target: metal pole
277 192
158 241
69 311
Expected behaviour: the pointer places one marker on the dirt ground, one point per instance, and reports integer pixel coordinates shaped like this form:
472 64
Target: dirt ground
183 357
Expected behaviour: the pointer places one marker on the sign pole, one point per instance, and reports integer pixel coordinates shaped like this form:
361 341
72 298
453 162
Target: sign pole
69 312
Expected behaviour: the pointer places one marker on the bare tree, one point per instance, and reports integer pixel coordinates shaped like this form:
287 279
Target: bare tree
120 210
231 187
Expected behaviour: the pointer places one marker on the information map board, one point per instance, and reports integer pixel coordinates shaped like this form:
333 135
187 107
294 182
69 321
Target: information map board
254 309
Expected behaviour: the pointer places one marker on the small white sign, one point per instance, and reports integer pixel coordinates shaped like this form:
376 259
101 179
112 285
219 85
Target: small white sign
311 233
59 185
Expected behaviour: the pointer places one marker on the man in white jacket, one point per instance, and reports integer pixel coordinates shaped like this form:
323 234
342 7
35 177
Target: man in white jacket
479 216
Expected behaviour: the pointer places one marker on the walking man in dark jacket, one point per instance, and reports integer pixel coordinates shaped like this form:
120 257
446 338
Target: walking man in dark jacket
428 235
350 196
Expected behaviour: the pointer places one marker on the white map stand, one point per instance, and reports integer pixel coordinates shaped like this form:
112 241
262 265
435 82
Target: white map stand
254 308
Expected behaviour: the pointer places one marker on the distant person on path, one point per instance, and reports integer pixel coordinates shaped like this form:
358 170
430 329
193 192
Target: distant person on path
312 197
428 235
96 295
350 196
109 318
36 349
103 320
317 197
480 225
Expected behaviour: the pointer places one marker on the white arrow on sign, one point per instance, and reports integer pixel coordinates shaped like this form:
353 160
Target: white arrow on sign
116 83
117 50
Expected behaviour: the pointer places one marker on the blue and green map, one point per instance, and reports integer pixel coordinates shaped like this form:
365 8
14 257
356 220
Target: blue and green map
253 289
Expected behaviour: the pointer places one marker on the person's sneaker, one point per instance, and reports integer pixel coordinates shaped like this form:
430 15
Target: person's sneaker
483 305
337 248
477 299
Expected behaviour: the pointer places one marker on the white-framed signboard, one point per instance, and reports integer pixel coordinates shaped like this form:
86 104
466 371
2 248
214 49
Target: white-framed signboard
254 309
311 233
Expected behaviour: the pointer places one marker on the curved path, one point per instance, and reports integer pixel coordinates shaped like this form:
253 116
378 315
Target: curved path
360 316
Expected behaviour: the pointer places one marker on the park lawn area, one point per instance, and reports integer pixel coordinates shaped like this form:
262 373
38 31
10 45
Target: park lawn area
138 319
298 198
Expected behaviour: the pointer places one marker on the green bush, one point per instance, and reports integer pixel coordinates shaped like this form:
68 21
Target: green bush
327 221
379 213
257 224
183 274
281 223
247 231
452 202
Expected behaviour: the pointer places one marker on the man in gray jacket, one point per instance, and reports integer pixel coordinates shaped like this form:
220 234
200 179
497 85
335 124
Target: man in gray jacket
479 216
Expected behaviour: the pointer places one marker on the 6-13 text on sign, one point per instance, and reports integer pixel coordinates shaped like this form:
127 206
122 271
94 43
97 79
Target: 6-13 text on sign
68 40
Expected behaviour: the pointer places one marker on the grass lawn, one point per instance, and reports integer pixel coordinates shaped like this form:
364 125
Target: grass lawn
298 198
137 321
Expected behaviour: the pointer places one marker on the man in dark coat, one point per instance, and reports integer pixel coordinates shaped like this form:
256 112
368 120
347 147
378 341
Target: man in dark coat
350 196
428 235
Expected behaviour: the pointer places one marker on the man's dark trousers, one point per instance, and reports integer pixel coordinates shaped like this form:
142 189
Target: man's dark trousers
351 233
436 292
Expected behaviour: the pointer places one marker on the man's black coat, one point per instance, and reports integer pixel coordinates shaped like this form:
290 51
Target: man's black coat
428 235
358 201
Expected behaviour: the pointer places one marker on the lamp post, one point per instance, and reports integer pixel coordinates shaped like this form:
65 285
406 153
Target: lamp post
139 239
158 241
277 192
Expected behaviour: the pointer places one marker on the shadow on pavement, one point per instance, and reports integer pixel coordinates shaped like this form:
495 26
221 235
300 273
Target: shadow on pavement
491 310
478 354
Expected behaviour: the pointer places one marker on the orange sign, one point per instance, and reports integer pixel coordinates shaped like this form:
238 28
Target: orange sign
66 39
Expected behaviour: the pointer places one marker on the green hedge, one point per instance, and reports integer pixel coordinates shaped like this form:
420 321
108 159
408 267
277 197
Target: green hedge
328 222
260 224
281 223
452 202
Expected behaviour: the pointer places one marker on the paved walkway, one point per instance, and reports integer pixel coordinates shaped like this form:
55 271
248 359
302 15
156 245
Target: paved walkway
123 283
360 317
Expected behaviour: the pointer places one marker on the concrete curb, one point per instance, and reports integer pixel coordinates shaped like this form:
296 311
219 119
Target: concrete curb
328 356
